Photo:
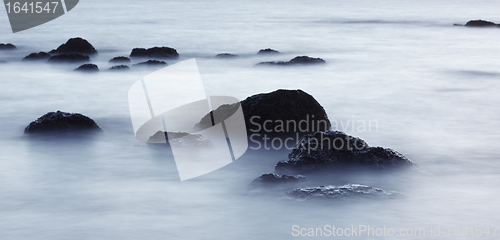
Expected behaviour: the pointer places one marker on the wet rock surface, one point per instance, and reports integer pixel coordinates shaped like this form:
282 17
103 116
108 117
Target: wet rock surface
155 52
336 150
267 51
37 56
297 108
61 122
348 191
75 45
120 60
88 68
69 58
300 60
7 46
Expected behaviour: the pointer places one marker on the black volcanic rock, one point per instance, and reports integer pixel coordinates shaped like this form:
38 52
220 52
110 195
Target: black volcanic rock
155 52
37 56
344 192
151 63
75 45
226 56
88 68
270 179
300 60
119 67
268 51
120 60
285 108
61 122
336 150
480 23
69 58
7 46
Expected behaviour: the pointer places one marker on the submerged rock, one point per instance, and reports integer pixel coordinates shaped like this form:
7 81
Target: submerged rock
481 23
7 46
69 58
61 122
75 45
284 112
268 51
37 56
226 55
300 60
348 191
155 52
151 63
88 68
336 150
119 67
271 179
120 60
180 139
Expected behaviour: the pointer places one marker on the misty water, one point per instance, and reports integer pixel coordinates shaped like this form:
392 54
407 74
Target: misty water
431 88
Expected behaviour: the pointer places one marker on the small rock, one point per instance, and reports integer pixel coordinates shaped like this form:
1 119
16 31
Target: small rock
151 63
69 58
268 51
155 52
75 45
300 60
480 23
88 68
119 67
348 191
7 46
226 55
37 56
61 122
180 139
270 179
119 60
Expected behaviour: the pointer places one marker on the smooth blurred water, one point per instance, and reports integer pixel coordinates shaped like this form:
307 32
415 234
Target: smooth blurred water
431 87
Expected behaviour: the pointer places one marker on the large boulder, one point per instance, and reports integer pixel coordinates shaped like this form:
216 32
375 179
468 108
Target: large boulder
155 52
300 60
267 51
7 46
37 56
75 45
61 122
279 113
69 58
88 68
333 150
480 23
344 192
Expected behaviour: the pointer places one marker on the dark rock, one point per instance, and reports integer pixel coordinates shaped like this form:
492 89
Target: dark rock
119 67
275 179
268 51
37 56
152 63
69 58
75 45
282 110
180 139
226 55
480 23
155 52
61 122
119 60
88 68
7 46
336 150
300 60
348 191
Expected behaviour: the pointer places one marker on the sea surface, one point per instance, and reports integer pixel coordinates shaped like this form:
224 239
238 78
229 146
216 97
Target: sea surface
431 87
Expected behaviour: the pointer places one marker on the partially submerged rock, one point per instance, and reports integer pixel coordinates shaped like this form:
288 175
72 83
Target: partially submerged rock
37 56
272 179
61 122
88 68
226 56
69 58
282 112
348 191
268 51
120 60
155 52
300 60
7 46
337 150
481 23
119 67
180 139
151 63
75 45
